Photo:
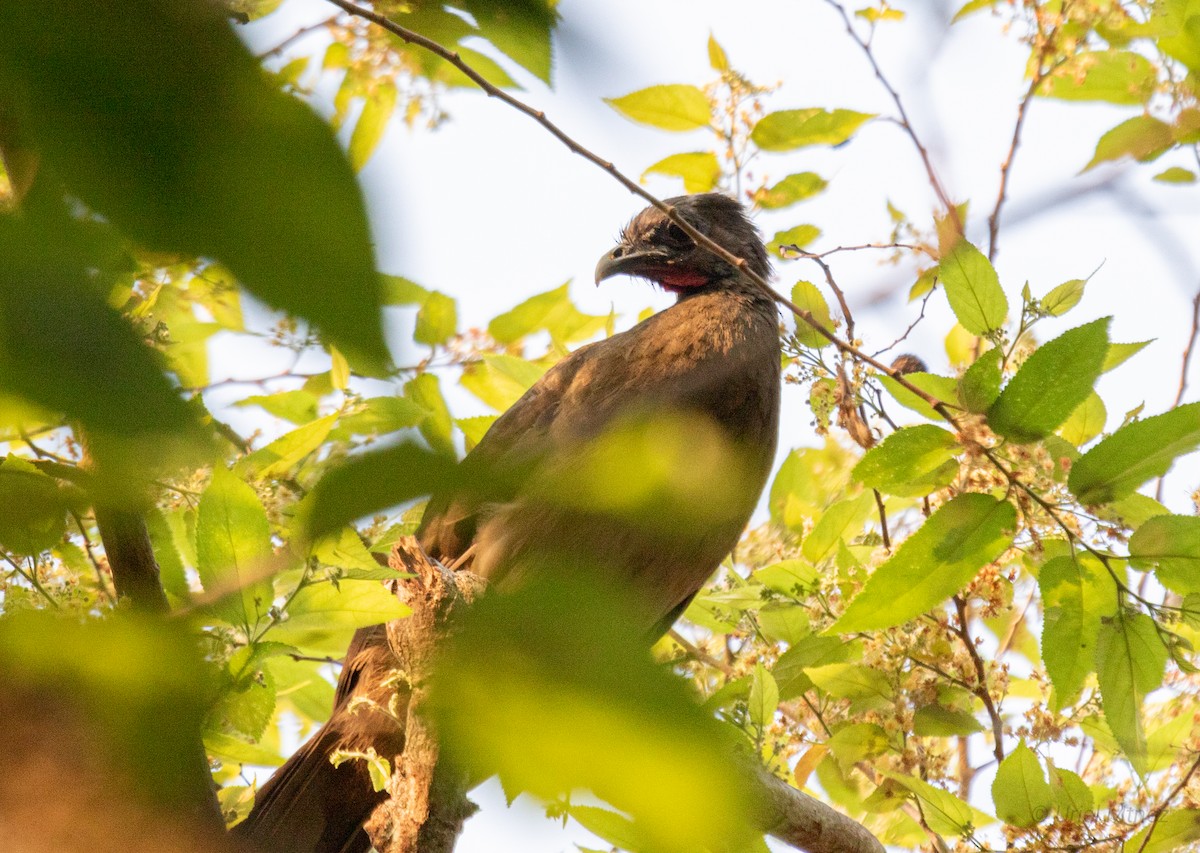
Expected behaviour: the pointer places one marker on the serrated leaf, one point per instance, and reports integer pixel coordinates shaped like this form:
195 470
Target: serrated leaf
937 721
911 462
840 521
945 813
1071 795
855 742
980 384
1020 790
297 406
285 453
851 681
551 311
1055 379
1120 353
807 297
787 130
789 191
1077 593
1174 830
798 236
233 550
1064 297
321 616
437 319
1115 76
1086 422
500 380
1142 137
812 651
425 390
1134 454
940 387
1130 661
474 429
763 697
1170 545
973 289
960 538
675 107
699 170
380 416
521 29
372 122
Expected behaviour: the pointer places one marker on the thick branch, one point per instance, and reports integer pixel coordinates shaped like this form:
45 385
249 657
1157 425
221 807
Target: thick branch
806 823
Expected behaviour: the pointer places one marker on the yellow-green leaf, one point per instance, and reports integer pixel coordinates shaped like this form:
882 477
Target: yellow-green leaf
669 107
790 129
699 170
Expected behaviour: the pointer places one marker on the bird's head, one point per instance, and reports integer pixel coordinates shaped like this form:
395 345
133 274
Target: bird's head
653 247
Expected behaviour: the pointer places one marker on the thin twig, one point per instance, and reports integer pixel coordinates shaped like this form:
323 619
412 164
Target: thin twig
980 690
904 122
883 525
295 37
911 326
1187 352
1006 166
1158 812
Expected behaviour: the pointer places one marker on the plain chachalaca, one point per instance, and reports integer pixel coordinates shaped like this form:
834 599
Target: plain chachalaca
712 358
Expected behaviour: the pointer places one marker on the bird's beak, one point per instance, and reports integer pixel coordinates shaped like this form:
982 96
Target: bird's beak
623 260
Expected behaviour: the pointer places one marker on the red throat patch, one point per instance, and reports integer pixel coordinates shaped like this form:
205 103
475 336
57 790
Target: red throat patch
679 280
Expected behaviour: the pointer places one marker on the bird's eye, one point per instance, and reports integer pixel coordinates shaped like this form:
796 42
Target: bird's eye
672 235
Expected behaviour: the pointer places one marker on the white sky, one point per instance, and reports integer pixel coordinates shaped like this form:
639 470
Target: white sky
491 209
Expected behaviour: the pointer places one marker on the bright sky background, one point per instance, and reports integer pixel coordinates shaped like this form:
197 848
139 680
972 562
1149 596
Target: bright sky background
492 210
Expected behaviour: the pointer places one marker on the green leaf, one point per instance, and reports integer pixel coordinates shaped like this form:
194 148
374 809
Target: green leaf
474 429
1120 353
1143 138
372 122
1134 454
437 319
792 189
500 380
380 416
699 169
233 550
855 742
1174 830
937 721
911 462
799 236
807 297
790 129
234 749
669 107
1020 790
791 670
300 686
945 813
33 511
1077 593
321 616
1176 175
1115 76
851 681
1072 797
521 29
717 59
489 69
980 384
1063 298
281 456
973 289
398 290
370 482
763 698
192 149
552 312
839 521
297 406
1055 379
970 7
941 387
1086 422
425 390
960 538
1169 544
1130 661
